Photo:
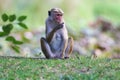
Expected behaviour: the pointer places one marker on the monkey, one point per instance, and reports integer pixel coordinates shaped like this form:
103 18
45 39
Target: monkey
56 44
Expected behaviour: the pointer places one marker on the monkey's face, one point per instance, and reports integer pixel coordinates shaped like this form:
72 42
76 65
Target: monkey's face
56 14
58 17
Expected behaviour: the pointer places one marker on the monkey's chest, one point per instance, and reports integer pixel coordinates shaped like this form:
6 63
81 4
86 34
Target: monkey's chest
56 42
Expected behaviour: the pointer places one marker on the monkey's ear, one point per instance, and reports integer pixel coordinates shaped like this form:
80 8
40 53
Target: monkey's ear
49 13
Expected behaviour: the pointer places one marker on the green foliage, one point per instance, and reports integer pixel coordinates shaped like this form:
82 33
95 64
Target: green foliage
12 18
2 34
22 18
15 48
10 38
82 68
4 17
9 23
23 25
13 40
7 28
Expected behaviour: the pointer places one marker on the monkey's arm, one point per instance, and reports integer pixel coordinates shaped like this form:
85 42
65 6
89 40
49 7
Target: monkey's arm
50 35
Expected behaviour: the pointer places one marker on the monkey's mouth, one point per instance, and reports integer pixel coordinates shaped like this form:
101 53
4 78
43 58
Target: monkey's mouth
58 20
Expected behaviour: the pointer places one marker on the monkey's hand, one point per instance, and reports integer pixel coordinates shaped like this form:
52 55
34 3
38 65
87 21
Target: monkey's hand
59 26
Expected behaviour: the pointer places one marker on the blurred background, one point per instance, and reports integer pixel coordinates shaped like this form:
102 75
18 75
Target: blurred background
94 25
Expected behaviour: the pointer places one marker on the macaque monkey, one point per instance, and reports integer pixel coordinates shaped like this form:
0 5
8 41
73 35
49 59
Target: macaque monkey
56 44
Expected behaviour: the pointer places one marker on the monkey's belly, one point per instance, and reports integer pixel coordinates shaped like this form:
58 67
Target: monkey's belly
56 44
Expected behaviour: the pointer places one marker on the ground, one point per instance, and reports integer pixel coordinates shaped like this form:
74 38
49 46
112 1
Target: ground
75 68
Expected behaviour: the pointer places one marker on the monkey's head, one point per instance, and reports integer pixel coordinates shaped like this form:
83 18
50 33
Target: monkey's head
56 14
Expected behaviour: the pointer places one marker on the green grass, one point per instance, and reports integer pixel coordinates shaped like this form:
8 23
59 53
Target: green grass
75 68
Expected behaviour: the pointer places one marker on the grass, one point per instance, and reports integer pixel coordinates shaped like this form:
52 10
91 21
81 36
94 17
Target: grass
75 68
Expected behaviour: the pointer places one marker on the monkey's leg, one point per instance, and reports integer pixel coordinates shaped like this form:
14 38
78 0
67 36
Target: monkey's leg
69 48
46 49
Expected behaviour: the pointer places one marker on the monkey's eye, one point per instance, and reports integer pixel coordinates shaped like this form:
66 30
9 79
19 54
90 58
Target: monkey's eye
59 14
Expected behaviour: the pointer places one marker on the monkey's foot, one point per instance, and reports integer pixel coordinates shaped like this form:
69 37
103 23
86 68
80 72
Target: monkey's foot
66 57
